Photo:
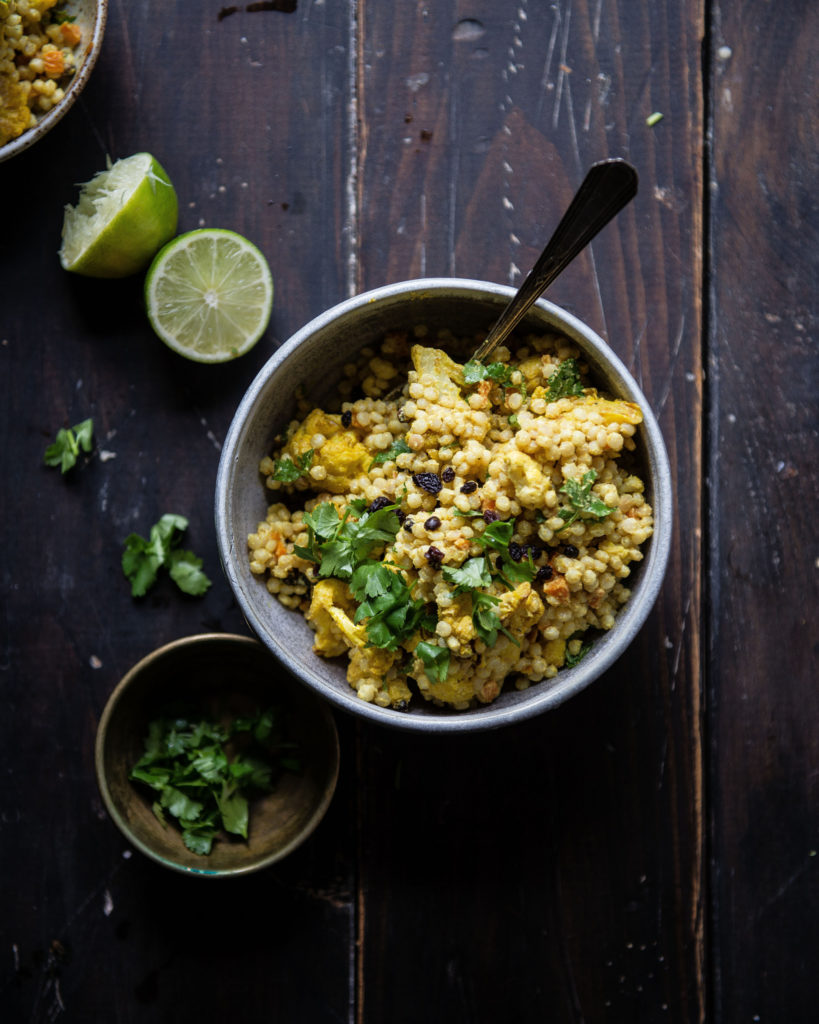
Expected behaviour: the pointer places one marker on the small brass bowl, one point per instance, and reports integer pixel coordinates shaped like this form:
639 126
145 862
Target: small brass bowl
223 676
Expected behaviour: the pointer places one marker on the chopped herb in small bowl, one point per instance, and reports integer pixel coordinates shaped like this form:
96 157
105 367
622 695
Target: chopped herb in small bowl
212 760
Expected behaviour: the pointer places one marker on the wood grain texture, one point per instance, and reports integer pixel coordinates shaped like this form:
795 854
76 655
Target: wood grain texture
587 826
645 853
764 708
248 115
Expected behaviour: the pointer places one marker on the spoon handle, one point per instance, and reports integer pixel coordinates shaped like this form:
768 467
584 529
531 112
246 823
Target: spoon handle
606 189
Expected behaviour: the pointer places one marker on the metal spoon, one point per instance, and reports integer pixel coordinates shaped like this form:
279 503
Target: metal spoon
606 189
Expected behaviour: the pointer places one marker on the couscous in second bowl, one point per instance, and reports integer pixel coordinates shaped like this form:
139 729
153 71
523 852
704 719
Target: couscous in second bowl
312 361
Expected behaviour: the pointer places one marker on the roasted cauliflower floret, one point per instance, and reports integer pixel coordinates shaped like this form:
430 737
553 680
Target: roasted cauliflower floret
341 457
331 610
529 482
520 609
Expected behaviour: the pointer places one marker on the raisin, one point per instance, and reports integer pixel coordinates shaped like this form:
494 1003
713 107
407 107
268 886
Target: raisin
433 523
570 551
545 572
448 475
434 556
346 418
491 516
469 487
429 482
379 503
408 525
516 552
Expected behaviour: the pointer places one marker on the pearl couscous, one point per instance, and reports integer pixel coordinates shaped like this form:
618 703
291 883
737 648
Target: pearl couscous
39 55
473 533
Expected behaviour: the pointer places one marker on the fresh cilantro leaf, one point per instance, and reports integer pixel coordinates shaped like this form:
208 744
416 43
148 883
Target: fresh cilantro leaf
287 470
141 558
186 571
474 573
234 808
565 382
583 504
66 447
323 520
199 841
485 617
500 373
572 659
398 447
435 660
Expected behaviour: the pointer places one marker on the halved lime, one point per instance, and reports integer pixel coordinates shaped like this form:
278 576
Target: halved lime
123 217
209 294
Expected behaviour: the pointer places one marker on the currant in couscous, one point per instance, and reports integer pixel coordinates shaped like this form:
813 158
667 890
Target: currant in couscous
472 533
39 55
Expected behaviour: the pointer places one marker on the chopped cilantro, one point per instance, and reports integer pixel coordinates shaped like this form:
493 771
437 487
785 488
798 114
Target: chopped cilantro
499 373
142 558
468 579
341 546
66 447
472 574
185 762
565 382
286 470
583 504
390 613
435 660
572 659
398 447
497 536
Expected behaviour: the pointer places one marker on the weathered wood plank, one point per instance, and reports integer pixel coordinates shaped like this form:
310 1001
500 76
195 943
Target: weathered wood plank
763 702
555 870
250 117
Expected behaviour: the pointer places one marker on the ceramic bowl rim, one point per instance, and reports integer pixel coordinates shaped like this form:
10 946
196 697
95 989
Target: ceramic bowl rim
113 810
75 87
541 697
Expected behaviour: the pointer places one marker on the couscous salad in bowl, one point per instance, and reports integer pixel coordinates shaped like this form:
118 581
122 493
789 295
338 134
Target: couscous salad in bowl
466 553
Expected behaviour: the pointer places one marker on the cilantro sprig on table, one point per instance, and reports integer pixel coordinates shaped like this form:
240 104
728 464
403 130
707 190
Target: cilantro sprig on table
187 764
286 470
65 449
583 504
142 559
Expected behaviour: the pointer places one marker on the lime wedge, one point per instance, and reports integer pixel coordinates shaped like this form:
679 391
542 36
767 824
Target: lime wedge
123 217
209 294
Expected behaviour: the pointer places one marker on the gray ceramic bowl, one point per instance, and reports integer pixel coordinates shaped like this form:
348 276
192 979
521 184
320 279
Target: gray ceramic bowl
90 16
221 676
312 358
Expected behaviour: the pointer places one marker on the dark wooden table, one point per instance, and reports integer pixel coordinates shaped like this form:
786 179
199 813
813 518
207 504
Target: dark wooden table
647 852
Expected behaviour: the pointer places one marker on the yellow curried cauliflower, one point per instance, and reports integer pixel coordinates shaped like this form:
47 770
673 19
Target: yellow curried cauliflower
520 609
529 482
341 457
330 609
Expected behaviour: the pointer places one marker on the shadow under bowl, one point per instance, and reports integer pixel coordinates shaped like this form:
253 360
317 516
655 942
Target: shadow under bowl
221 675
313 360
